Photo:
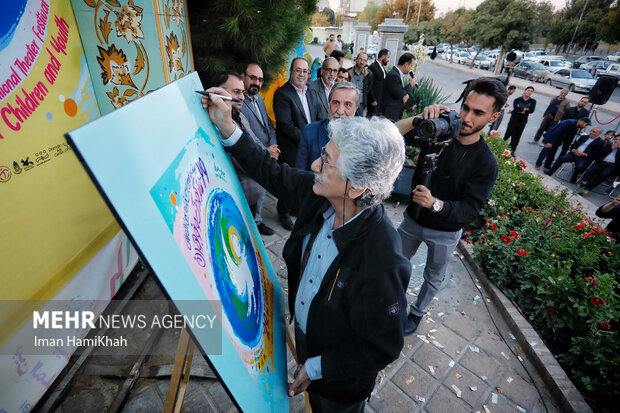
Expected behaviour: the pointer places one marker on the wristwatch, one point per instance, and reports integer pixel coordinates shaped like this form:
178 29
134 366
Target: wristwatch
436 205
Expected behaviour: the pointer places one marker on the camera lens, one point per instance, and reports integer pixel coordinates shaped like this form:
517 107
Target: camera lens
426 129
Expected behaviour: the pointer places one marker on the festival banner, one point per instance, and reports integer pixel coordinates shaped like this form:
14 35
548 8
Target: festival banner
175 191
133 46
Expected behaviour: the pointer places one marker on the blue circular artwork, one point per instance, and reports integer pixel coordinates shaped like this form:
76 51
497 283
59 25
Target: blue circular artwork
9 18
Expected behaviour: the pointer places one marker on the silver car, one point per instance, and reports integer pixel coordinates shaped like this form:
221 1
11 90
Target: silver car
575 80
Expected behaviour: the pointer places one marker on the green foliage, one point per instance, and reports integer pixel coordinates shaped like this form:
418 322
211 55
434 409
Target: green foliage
607 29
422 96
592 27
544 14
559 267
453 25
507 23
431 30
228 33
331 16
369 14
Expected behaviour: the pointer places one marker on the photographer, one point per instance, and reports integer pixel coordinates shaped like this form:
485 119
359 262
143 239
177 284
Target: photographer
465 174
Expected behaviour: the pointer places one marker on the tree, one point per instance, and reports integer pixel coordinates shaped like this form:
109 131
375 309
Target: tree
544 14
368 15
386 11
331 16
319 19
453 27
561 30
566 21
608 28
510 24
431 30
228 33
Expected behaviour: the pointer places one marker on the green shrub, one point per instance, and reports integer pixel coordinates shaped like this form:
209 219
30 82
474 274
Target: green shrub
560 268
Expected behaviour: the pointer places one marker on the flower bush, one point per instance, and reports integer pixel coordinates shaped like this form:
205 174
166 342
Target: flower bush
560 268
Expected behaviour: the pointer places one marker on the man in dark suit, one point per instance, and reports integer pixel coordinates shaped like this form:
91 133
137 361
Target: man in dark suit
394 93
293 107
379 74
322 86
583 152
607 166
575 112
343 99
255 112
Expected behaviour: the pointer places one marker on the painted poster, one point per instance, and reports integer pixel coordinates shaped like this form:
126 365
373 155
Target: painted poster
174 189
133 46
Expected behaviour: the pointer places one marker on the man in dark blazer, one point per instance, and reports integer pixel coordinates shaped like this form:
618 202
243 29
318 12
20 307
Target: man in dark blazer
293 107
583 152
343 99
322 86
394 93
379 74
255 112
607 166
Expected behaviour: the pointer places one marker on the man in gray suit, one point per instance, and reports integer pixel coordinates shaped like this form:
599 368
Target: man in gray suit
322 86
255 112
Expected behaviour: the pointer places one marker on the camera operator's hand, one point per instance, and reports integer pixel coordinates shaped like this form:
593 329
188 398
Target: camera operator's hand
423 197
433 111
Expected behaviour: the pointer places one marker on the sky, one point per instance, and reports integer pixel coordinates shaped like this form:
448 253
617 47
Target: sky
444 6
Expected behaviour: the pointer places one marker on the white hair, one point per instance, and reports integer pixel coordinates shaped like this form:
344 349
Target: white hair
372 153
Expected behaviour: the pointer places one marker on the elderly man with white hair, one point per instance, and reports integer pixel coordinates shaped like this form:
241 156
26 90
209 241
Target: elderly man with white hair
346 273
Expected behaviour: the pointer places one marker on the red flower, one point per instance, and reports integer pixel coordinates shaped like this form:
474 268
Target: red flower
506 239
586 235
550 309
514 234
597 301
592 281
596 232
522 253
561 211
493 227
579 226
523 164
604 324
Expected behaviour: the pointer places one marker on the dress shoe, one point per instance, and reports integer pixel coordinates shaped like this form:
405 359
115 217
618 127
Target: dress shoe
264 229
548 171
412 324
285 221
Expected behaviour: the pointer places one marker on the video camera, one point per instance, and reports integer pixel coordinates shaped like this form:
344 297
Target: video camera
438 131
431 135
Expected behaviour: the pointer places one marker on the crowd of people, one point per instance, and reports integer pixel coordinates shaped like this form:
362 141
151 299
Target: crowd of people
331 159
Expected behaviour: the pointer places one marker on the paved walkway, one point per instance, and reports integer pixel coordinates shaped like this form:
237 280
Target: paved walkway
461 359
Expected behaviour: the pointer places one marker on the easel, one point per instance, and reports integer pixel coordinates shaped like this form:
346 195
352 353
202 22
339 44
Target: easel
183 365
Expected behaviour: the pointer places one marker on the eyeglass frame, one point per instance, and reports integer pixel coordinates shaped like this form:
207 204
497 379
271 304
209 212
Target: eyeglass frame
300 71
323 161
254 78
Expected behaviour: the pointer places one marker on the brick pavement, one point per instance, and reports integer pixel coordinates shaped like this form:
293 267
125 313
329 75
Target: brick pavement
457 361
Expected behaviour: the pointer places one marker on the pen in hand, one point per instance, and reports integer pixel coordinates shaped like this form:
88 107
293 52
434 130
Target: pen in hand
219 96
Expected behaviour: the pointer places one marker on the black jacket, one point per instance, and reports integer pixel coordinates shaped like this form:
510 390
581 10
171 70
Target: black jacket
593 150
392 105
463 180
290 120
355 321
613 228
377 83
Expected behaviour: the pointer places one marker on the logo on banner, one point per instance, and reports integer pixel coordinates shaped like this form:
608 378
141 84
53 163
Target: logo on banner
5 173
17 168
27 164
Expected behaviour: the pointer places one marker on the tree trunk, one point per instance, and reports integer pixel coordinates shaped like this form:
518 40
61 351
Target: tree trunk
500 62
473 61
451 52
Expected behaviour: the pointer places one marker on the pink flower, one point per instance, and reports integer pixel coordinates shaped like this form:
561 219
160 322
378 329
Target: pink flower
604 324
597 301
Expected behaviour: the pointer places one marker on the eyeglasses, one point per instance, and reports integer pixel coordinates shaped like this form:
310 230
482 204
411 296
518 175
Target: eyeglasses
323 161
330 70
255 79
300 71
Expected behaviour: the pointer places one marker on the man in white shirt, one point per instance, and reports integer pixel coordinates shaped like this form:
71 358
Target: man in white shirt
322 86
583 152
606 167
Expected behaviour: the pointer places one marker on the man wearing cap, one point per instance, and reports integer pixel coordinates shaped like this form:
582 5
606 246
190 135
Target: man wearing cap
553 138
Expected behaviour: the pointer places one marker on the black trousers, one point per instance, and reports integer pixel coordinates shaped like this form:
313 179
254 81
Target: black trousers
514 132
319 403
597 173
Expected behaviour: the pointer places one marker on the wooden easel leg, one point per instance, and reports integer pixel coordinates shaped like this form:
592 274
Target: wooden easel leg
182 362
290 341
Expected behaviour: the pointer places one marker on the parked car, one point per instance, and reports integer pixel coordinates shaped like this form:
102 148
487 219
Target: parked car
531 71
599 65
614 57
575 80
612 70
554 65
583 60
481 61
460 57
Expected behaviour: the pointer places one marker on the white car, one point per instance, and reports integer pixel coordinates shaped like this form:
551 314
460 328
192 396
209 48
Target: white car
481 61
614 57
553 65
460 57
575 80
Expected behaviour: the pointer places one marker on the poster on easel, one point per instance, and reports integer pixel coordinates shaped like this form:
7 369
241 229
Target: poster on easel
179 200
